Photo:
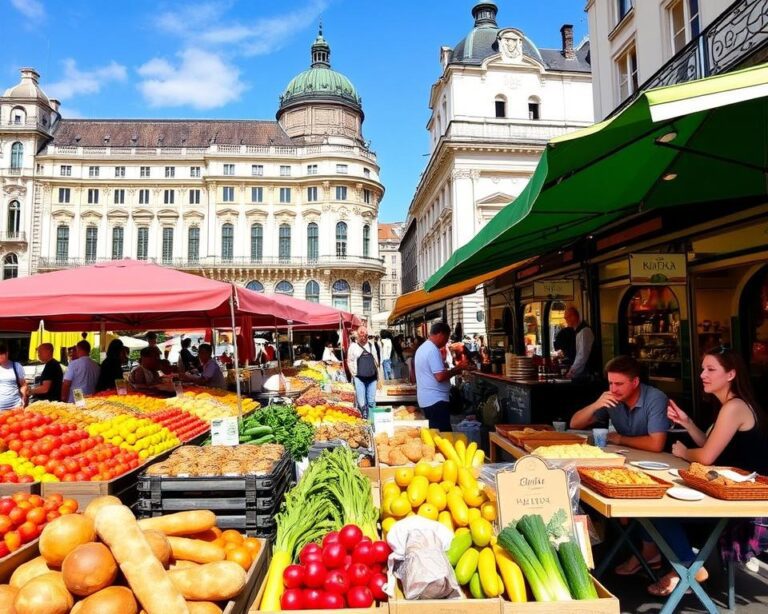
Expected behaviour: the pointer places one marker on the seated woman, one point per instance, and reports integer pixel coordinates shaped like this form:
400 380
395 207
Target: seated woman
145 375
738 438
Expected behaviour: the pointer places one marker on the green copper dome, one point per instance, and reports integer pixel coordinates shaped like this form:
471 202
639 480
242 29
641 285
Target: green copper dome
320 82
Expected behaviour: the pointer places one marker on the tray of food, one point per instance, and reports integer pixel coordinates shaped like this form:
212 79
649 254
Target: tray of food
623 483
535 438
581 454
708 480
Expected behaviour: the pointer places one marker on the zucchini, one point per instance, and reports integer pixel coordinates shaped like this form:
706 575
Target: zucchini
475 587
576 572
256 431
459 545
264 439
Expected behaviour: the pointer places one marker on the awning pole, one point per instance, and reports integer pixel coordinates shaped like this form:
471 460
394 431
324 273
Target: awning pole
234 345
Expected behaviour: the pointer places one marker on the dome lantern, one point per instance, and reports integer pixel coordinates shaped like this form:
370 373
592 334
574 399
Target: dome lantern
321 51
485 14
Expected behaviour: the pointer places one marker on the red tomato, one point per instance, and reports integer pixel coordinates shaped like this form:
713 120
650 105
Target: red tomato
310 552
36 515
313 599
52 515
381 551
314 574
359 575
3 549
363 553
292 599
36 500
359 597
5 524
330 538
378 580
17 515
12 540
349 536
6 505
293 576
331 601
333 555
336 582
28 531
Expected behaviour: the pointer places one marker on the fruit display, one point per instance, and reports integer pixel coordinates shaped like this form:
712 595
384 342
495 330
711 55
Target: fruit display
182 424
325 413
220 460
407 412
405 446
140 435
106 562
23 516
210 403
357 435
315 397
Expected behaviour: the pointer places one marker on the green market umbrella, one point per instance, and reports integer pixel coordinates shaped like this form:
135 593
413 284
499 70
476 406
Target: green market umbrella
702 142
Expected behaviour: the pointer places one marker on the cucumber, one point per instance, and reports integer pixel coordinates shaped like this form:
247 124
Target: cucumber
475 587
459 545
246 439
265 439
255 431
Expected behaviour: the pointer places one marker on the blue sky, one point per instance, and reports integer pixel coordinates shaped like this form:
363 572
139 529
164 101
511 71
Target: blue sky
231 59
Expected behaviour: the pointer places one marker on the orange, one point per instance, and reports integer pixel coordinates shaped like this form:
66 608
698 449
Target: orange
253 544
231 546
70 503
207 536
240 555
230 535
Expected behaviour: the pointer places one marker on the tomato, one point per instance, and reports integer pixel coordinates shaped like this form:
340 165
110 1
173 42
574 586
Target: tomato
333 555
310 552
314 574
12 540
336 582
378 580
28 531
17 515
293 576
6 505
381 551
330 538
331 601
5 524
359 575
52 515
363 553
36 515
312 599
360 597
36 500
292 599
3 549
349 536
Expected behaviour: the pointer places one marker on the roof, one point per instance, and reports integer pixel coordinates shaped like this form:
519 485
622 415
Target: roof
168 133
555 60
390 232
28 87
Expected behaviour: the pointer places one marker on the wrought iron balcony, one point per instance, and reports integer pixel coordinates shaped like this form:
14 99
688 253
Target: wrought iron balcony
733 40
13 237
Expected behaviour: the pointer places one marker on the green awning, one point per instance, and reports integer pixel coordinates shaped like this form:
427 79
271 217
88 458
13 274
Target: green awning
701 142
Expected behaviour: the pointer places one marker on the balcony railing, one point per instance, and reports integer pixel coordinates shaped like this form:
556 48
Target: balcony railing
15 172
27 123
13 237
239 262
738 34
506 130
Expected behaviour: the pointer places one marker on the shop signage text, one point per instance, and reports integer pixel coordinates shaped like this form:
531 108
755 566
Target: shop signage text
553 289
659 269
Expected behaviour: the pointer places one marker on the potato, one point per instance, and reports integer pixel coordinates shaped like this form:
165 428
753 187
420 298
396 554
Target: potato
217 581
160 546
44 594
7 596
63 535
88 569
27 571
111 600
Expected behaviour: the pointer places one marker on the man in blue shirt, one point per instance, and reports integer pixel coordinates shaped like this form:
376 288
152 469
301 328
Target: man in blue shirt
433 378
637 411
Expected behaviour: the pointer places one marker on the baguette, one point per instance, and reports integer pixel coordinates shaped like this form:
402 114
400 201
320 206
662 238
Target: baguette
196 550
117 527
181 523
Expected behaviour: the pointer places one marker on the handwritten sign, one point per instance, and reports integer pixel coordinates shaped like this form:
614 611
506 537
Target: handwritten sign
553 289
177 387
657 269
79 397
122 387
225 432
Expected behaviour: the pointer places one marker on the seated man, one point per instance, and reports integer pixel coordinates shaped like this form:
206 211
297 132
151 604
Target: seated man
145 375
637 411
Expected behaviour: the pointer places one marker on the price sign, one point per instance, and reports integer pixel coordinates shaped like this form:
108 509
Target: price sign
383 420
225 432
121 387
177 387
79 397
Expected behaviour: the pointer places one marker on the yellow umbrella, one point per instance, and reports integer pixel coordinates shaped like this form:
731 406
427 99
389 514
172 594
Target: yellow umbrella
59 340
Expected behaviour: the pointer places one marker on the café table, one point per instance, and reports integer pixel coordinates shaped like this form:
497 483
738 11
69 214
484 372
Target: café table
642 512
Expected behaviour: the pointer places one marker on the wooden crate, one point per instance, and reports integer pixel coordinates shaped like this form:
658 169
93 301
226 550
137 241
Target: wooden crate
372 473
381 608
9 563
253 581
8 489
606 603
400 605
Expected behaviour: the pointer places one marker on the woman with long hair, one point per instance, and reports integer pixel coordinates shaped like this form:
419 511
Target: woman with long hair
111 367
738 438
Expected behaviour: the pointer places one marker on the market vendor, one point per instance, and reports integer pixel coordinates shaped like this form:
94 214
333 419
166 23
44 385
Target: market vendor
584 346
145 374
210 372
433 378
637 411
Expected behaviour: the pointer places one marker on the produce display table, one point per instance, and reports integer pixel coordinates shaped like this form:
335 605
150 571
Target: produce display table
642 511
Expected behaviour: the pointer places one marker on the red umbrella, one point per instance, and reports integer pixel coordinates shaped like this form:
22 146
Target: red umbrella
318 317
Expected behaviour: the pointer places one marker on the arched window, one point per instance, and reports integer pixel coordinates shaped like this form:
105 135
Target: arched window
340 295
17 155
313 240
10 266
62 243
366 241
341 240
312 291
367 297
284 243
18 116
117 242
501 106
284 287
193 244
256 286
227 242
14 218
534 108
91 243
257 243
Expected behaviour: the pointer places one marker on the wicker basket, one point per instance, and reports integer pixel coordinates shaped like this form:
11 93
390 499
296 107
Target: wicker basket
746 491
624 491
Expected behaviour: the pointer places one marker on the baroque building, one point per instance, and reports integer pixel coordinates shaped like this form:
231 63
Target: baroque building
389 242
497 102
287 206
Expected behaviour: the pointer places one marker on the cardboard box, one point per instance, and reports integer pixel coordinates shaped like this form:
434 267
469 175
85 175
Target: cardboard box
605 604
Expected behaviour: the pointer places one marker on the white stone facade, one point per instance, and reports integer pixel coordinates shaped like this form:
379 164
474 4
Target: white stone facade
391 283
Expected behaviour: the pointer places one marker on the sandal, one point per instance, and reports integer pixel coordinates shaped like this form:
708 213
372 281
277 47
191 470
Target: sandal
668 583
629 569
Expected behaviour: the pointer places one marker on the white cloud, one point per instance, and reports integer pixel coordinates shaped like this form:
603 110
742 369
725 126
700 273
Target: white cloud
78 82
31 9
200 79
206 24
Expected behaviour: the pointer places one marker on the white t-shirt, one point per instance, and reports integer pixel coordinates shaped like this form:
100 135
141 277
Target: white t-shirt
428 362
10 396
386 349
83 373
213 375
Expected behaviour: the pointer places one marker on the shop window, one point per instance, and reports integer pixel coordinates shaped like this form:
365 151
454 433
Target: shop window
340 295
284 287
10 266
312 291
256 286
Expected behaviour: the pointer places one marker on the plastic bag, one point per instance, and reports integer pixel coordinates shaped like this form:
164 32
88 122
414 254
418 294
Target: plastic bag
418 559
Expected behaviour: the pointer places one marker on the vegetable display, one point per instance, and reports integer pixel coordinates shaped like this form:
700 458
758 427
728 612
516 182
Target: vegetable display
283 426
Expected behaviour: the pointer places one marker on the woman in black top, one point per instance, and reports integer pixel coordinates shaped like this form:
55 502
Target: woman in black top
111 367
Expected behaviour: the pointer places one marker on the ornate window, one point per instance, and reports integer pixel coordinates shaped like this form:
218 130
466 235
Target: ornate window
193 244
313 238
142 243
340 294
117 242
312 291
256 286
10 266
167 252
284 242
341 240
257 242
366 241
17 155
62 243
91 243
284 287
227 242
367 297
14 218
